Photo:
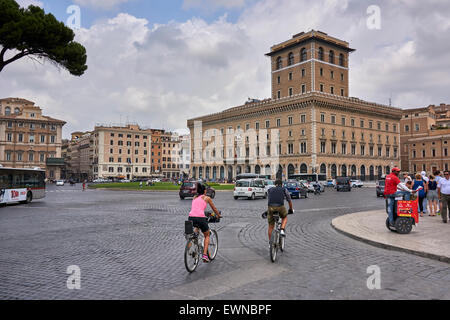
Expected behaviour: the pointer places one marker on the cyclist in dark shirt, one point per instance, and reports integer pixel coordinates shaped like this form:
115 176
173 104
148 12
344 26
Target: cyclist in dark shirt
276 197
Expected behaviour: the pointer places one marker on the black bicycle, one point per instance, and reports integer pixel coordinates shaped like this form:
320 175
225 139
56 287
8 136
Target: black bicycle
276 240
195 242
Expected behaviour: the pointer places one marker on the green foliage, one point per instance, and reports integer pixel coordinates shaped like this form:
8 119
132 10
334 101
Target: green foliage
32 32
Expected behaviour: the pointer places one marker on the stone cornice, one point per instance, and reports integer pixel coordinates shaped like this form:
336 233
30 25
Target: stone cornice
272 106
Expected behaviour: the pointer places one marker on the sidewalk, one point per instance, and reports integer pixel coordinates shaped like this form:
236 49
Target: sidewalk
430 238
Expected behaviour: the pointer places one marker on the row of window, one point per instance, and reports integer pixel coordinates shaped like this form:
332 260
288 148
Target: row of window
304 57
290 75
27 156
129 136
303 91
303 119
32 126
128 169
433 153
31 138
303 149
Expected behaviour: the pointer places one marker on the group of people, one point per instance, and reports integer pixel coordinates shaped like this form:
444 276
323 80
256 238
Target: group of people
433 189
276 198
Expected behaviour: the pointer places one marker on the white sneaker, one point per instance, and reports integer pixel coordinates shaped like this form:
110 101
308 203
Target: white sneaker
282 233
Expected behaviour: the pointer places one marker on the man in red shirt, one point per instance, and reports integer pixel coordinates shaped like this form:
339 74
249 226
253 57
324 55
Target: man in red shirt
390 192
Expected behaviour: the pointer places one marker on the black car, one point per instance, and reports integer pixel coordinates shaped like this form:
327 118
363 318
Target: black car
188 189
380 188
344 184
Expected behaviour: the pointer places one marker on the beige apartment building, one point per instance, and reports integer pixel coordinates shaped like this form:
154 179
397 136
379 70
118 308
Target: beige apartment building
121 152
310 125
425 139
170 155
28 139
79 154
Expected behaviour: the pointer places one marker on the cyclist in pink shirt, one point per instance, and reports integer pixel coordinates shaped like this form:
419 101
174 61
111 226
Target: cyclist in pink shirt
198 218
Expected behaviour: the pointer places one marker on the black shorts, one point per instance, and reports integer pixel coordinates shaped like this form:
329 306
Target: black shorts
201 223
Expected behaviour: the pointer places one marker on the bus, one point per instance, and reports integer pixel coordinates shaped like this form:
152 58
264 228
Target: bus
21 185
310 177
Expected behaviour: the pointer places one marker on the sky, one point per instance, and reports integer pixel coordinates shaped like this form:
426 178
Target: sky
159 63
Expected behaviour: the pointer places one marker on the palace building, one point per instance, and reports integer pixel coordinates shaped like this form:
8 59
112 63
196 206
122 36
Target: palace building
29 139
310 123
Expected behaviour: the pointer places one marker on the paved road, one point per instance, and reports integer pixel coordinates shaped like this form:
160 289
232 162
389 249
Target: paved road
130 245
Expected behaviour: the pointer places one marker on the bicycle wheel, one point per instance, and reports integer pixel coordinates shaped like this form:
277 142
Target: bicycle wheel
191 256
274 245
282 243
213 245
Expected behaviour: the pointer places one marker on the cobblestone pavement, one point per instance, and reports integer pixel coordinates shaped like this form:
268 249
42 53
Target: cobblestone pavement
130 245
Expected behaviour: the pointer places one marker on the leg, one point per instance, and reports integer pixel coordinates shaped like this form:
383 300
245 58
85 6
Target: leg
206 243
271 226
391 201
445 203
283 223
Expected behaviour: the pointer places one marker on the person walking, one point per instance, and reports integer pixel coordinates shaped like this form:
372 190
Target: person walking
444 194
425 182
432 196
418 182
438 175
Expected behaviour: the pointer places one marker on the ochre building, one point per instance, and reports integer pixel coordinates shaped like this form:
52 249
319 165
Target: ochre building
310 123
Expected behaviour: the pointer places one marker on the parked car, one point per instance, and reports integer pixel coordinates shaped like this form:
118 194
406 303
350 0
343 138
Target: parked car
59 182
343 183
308 185
250 189
156 180
380 188
296 189
188 189
356 183
330 183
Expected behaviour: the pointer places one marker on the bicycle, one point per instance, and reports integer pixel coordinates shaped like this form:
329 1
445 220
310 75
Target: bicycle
276 240
194 243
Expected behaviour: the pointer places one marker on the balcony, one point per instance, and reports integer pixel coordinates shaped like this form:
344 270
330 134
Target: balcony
55 162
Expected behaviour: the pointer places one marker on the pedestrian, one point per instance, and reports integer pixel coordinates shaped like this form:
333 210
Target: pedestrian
444 194
418 182
425 182
438 175
84 185
406 177
432 196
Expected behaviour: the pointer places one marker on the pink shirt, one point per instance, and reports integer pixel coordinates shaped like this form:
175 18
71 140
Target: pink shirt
198 208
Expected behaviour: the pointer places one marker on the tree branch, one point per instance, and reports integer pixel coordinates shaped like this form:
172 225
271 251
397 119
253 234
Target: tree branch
2 53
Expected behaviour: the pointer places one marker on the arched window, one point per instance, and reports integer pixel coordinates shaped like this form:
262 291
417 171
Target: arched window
267 170
323 169
7 111
333 171
320 53
290 59
331 56
363 173
194 172
372 173
341 60
291 170
303 168
16 111
222 173
200 173
280 172
344 170
279 63
353 171
257 169
303 56
380 172
214 173
238 170
248 169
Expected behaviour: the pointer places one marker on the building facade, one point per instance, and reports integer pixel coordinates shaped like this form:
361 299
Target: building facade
121 152
425 139
170 155
28 139
310 125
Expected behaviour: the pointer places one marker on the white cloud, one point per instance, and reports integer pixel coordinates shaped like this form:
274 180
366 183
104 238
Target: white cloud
162 75
213 4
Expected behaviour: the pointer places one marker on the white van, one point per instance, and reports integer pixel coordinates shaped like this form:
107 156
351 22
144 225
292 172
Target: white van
250 189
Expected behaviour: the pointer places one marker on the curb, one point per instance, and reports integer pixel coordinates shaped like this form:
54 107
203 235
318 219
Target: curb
392 247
